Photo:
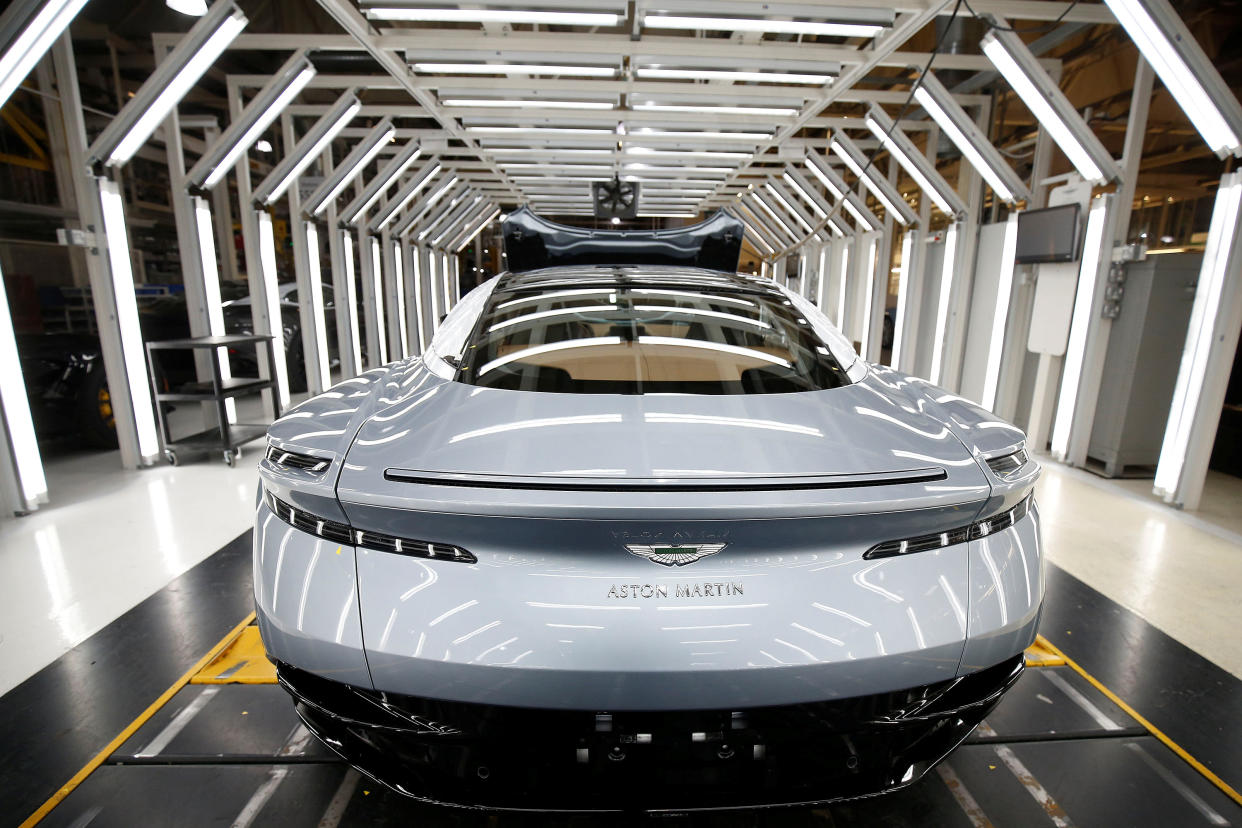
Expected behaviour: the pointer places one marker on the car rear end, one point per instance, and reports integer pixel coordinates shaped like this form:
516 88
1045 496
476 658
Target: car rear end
543 600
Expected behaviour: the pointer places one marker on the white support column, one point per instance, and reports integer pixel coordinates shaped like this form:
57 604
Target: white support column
435 301
825 269
388 288
306 268
111 277
838 293
345 291
865 254
415 315
1208 356
950 258
1088 338
261 276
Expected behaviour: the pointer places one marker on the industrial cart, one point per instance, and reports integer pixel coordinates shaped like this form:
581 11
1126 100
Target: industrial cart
225 437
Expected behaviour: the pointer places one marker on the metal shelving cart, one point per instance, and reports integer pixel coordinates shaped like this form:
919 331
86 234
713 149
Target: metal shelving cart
225 437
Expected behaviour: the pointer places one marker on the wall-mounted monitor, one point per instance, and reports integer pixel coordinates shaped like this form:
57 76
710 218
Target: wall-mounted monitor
1053 234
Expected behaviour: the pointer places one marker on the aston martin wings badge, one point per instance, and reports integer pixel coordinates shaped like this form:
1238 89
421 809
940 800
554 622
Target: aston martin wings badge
674 554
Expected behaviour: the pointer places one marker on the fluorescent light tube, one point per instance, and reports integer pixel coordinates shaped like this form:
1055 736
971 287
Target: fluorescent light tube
20 56
310 147
516 69
884 192
175 75
271 293
355 343
193 8
244 131
734 75
521 103
377 294
211 290
549 18
315 278
788 207
914 163
1080 321
396 165
947 274
116 236
1215 272
17 419
772 111
405 195
398 276
869 242
349 168
1049 106
908 240
790 232
743 24
1000 314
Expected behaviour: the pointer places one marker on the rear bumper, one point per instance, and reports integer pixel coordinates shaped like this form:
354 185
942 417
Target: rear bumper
512 758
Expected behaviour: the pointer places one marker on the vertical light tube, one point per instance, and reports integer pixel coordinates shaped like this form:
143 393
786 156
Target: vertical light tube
868 265
271 292
127 318
316 298
437 301
903 290
416 274
16 408
446 272
211 291
947 273
398 275
1075 351
377 287
825 263
28 48
842 283
1191 376
351 296
1000 314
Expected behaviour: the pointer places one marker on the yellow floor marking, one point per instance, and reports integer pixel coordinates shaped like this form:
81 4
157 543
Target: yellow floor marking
1043 654
243 662
123 736
1155 731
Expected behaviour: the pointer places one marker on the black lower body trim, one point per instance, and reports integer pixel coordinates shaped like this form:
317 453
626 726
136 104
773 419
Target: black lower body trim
507 758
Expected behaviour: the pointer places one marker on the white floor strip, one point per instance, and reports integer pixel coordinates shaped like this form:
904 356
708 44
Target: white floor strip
340 800
294 745
1178 785
963 796
178 723
1037 791
1100 717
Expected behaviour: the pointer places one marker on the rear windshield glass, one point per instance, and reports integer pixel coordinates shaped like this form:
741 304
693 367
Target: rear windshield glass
647 340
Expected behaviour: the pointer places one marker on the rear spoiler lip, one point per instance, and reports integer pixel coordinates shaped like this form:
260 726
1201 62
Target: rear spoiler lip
755 483
534 243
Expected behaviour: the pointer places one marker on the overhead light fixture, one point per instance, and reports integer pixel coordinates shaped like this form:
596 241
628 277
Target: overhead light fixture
566 152
1211 343
798 183
310 147
418 14
1080 321
271 294
20 53
173 77
263 145
916 165
444 224
676 153
133 353
536 131
860 25
789 208
23 443
349 168
735 75
970 140
948 268
835 185
404 196
1048 104
222 155
474 227
1189 75
648 132
769 111
193 8
884 192
356 210
756 236
758 198
1000 315
525 103
451 188
516 69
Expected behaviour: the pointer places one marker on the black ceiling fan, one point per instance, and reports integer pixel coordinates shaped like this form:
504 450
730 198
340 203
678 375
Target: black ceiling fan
615 199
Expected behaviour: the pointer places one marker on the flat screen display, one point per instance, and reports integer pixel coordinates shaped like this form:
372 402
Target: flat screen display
1049 235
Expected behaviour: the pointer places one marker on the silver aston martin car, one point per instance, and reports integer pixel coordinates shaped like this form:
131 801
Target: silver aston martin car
639 533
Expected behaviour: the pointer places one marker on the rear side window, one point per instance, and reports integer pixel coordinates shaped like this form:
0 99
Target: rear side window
628 339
